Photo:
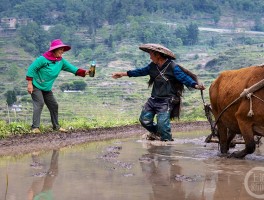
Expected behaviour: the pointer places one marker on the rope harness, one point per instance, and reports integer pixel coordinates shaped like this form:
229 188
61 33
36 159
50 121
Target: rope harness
249 93
246 93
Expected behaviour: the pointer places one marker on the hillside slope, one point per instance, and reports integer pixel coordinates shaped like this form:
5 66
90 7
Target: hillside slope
123 98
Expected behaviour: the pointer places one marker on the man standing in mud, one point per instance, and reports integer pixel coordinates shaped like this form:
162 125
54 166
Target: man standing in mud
167 80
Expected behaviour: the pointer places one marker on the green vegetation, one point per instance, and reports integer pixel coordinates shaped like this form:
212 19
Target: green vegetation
75 85
10 97
110 33
20 128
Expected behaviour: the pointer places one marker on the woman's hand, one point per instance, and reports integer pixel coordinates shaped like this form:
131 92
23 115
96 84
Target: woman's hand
87 72
30 87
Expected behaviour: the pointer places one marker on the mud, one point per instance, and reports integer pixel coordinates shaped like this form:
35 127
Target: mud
27 143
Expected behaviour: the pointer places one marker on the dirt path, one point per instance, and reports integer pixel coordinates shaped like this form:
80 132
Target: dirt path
22 144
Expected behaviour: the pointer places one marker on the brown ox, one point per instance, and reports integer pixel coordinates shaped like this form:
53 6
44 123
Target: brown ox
235 120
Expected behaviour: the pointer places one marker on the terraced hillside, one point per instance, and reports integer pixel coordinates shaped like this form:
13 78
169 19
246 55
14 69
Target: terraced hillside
122 99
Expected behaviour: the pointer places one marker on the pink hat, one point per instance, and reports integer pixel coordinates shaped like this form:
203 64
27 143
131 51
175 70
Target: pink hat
55 44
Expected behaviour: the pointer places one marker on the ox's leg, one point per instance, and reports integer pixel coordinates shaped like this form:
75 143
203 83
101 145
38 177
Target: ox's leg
222 132
258 130
231 136
247 133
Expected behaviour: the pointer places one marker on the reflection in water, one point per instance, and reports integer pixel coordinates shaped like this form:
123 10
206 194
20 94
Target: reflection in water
194 172
229 182
159 171
130 169
41 188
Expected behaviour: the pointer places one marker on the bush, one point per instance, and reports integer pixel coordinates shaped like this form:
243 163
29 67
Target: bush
75 85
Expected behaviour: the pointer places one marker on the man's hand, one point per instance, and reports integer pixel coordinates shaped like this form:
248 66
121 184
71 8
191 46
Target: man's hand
116 75
199 87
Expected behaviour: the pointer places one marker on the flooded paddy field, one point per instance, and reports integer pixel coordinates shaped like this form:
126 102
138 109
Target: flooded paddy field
132 168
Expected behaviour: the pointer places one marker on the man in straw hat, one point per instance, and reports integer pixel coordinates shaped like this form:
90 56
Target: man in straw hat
41 75
168 80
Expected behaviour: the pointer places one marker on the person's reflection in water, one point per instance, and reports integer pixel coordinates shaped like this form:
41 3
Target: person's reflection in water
41 188
160 169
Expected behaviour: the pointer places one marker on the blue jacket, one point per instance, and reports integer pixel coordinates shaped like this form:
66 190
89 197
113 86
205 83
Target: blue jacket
164 78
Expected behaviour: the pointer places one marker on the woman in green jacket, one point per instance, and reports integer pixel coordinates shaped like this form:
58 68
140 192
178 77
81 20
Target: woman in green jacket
41 75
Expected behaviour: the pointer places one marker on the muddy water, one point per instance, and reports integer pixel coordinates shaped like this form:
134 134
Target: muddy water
134 169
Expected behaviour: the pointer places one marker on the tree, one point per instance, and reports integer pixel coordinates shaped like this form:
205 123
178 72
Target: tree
178 42
79 85
186 9
216 16
181 32
10 97
258 24
64 86
5 4
35 9
86 54
192 34
75 85
33 38
58 31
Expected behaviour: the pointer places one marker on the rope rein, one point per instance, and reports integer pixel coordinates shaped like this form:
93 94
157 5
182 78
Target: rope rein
232 103
258 98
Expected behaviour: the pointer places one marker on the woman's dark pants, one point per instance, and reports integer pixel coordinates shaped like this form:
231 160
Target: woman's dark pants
40 98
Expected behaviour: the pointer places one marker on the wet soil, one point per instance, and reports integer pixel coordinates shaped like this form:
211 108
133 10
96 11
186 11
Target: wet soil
27 143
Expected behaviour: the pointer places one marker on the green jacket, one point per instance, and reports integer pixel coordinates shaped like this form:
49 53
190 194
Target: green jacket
44 72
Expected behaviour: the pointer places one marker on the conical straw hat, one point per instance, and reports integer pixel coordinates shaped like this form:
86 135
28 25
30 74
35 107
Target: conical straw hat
159 48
